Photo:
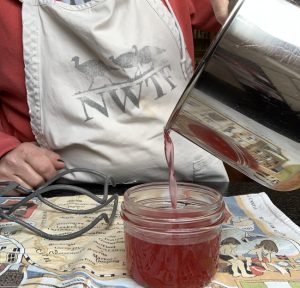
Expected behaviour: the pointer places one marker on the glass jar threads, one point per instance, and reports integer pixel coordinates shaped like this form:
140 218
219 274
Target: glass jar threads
167 247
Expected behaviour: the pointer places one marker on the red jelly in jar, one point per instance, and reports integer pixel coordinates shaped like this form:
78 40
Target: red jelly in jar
167 247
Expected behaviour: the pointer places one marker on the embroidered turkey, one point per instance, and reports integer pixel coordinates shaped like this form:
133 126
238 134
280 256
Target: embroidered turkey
92 69
137 59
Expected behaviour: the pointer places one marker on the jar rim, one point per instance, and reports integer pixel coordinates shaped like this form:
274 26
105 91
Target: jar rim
195 202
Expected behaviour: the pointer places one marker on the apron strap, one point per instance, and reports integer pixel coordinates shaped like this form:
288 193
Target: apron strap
182 45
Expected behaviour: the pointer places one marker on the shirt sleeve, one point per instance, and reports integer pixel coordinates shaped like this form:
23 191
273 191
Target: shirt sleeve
14 115
202 16
7 143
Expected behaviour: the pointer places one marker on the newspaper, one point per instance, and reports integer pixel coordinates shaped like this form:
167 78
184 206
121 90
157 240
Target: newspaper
260 247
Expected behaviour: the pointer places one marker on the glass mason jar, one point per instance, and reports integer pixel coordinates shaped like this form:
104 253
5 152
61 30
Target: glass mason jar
167 247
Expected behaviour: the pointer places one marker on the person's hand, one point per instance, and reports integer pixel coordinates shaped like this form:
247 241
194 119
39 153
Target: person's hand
29 165
220 8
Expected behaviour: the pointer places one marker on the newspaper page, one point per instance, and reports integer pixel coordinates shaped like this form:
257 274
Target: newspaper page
260 247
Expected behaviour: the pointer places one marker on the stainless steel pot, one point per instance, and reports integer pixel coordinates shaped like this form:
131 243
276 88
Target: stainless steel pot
243 103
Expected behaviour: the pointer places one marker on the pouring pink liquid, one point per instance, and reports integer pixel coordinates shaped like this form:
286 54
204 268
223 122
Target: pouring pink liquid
169 153
156 237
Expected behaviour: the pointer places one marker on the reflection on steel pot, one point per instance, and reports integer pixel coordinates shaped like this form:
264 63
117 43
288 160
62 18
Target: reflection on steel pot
243 103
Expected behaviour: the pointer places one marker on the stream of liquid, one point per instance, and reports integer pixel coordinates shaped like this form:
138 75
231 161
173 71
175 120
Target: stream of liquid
169 153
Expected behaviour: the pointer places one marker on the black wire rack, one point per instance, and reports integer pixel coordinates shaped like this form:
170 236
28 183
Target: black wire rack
8 211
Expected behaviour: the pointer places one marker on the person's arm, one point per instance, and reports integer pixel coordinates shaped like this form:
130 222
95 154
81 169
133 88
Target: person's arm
259 253
21 160
203 16
29 165
7 142
207 15
25 163
220 8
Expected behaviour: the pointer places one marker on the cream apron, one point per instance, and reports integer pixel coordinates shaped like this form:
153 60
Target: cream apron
102 79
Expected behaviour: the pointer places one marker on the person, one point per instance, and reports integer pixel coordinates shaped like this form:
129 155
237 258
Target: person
228 254
92 84
261 254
